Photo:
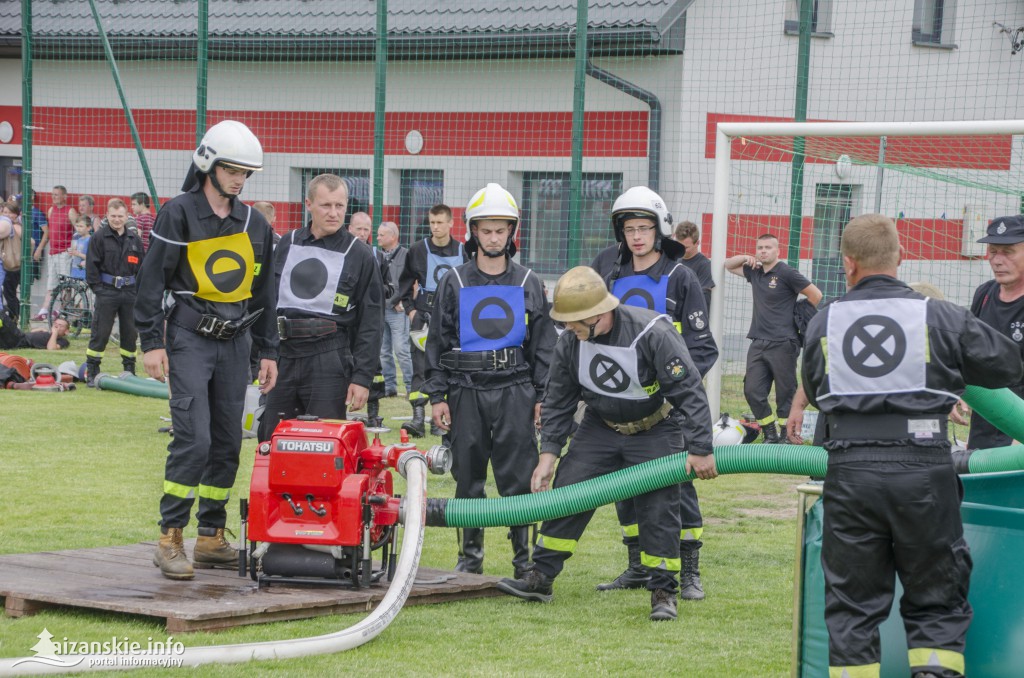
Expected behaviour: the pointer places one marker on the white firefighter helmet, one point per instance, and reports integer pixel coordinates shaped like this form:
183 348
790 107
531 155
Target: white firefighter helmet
68 367
231 143
419 338
641 202
492 202
727 431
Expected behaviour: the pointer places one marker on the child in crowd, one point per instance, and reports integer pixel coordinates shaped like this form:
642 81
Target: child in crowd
80 247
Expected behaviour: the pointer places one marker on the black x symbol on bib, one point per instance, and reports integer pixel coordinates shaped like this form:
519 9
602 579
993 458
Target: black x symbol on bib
608 375
874 346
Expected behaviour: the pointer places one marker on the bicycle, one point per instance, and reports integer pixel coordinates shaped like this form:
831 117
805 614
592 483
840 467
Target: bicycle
70 301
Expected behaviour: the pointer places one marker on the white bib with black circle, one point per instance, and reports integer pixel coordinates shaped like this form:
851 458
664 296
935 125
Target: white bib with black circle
877 346
309 279
613 371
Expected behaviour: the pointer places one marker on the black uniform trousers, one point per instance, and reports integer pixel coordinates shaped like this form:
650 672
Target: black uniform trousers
419 362
596 450
10 292
767 362
311 384
493 425
883 518
691 521
111 303
207 383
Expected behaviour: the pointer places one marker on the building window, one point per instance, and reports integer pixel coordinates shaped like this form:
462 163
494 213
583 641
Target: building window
420 190
821 18
933 22
544 235
358 183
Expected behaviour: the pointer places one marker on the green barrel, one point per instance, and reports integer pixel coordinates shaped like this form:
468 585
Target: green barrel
993 515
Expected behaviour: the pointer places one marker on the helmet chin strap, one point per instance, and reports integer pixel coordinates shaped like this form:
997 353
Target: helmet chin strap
216 184
591 328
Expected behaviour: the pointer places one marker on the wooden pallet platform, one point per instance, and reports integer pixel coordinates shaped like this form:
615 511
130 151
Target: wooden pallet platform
123 579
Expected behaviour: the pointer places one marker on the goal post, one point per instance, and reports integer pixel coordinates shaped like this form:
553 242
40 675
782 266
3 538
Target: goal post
976 165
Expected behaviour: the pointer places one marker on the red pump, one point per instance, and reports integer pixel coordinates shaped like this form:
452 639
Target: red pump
321 500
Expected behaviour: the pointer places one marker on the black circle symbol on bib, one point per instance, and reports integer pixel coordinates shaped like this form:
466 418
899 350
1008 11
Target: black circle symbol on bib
874 346
308 278
225 270
492 318
439 272
608 375
638 295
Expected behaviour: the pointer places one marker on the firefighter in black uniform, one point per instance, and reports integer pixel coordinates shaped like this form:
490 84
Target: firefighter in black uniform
426 263
644 397
885 365
114 258
488 350
1000 303
774 343
214 255
647 273
330 313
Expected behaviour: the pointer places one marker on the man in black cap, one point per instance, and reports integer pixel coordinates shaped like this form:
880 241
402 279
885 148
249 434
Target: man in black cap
1000 303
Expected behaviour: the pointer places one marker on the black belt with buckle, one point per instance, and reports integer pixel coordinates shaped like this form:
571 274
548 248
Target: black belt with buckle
210 326
483 361
304 328
869 427
117 281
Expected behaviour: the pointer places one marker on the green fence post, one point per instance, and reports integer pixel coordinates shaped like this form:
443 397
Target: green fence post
379 102
26 159
576 170
796 192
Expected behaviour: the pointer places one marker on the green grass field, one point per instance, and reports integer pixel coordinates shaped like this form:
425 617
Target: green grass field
84 469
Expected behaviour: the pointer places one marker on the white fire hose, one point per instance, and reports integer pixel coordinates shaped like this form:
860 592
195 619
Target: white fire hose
413 466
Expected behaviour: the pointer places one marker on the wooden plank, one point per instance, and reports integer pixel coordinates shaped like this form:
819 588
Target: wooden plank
22 607
123 579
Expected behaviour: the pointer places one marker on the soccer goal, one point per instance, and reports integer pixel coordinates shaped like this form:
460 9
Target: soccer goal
941 181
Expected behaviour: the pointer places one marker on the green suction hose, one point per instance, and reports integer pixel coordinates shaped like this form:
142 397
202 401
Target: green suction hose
1001 407
132 385
629 482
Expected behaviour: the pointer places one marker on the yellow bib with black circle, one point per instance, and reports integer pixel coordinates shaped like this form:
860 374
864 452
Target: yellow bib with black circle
223 267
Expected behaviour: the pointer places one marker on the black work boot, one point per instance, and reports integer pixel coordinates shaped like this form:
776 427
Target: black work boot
534 586
521 543
92 368
771 434
690 587
471 550
128 364
635 576
213 550
415 427
373 418
663 605
170 555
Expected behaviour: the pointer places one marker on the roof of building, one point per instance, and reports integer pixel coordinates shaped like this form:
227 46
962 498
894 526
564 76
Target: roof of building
640 23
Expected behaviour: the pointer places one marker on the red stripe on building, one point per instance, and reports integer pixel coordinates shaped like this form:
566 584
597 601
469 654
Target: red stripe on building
957 152
922 239
541 133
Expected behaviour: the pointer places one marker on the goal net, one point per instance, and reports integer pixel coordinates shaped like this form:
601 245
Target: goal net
941 182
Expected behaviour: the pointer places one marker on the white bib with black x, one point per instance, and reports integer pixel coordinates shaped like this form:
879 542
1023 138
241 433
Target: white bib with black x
614 371
877 346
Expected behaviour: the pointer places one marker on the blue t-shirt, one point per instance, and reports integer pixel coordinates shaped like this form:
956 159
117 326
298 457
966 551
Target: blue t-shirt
79 244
